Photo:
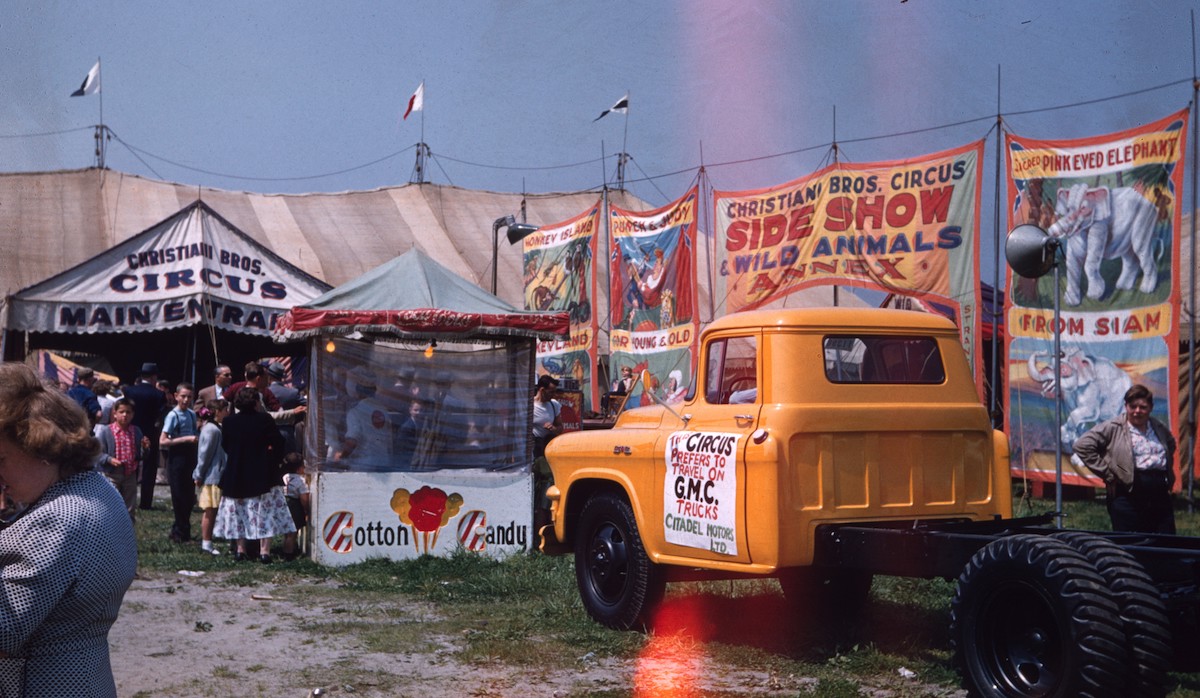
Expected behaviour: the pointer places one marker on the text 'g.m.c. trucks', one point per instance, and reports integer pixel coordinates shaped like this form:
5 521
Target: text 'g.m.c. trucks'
825 446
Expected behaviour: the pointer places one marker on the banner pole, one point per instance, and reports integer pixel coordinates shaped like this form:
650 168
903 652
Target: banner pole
996 288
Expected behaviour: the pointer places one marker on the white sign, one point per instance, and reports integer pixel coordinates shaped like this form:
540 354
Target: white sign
190 269
700 491
399 516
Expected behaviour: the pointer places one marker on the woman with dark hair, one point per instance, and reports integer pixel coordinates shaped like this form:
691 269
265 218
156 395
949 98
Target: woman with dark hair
1134 454
252 501
67 551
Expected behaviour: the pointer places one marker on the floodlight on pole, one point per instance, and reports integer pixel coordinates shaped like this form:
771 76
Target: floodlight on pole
1031 252
516 232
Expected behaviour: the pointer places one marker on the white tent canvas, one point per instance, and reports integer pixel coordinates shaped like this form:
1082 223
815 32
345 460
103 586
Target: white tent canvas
192 268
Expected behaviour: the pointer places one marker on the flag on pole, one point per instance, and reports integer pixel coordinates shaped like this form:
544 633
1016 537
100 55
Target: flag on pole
91 84
621 107
417 101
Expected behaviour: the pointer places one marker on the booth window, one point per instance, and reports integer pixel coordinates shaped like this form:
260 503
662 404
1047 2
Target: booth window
883 359
379 407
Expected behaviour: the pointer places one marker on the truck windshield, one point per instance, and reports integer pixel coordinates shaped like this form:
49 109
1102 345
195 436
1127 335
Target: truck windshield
883 359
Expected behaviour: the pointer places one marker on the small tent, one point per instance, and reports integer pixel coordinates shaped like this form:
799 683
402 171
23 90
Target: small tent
420 412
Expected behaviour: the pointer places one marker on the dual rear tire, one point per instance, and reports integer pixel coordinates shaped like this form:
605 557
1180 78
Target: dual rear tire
1058 616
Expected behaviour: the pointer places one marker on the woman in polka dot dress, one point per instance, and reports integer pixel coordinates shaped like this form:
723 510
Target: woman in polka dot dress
67 550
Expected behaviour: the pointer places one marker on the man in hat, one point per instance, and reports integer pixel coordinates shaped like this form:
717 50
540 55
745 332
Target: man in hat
368 442
444 441
82 393
289 399
148 402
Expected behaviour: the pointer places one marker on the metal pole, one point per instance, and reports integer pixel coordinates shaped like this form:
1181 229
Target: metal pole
996 282
1058 507
495 250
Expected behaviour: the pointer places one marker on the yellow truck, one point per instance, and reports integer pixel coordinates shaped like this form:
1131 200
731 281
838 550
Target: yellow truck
825 446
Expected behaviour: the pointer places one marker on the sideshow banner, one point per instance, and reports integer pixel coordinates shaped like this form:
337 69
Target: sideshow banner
908 227
560 276
1114 203
655 325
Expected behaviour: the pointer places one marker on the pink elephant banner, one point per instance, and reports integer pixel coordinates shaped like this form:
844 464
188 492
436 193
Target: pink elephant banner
1114 202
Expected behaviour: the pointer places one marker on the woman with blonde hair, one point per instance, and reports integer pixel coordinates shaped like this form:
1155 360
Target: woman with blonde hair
67 551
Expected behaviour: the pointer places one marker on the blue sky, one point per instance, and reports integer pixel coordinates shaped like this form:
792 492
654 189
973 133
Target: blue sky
300 96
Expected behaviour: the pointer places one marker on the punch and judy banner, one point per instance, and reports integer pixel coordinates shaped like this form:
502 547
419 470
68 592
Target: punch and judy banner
655 324
1113 201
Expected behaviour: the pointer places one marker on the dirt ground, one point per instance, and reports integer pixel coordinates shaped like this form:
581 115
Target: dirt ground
180 635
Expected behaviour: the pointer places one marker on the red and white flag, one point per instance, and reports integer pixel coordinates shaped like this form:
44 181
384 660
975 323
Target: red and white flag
416 102
91 84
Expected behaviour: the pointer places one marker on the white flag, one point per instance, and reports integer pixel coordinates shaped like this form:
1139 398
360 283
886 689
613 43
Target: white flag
621 107
417 101
91 84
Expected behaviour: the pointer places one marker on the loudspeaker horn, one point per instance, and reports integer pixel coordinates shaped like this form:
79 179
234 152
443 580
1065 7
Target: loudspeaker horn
1030 251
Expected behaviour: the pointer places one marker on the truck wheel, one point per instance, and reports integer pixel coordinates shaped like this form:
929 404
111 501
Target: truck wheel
617 581
1032 617
1143 614
836 592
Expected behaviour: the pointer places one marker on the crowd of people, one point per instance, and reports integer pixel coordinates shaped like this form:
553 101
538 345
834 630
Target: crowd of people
77 462
225 453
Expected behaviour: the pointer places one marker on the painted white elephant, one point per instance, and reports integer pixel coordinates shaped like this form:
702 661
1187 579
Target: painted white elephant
1101 223
1093 389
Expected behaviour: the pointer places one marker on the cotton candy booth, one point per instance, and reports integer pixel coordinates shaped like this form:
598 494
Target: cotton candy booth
418 435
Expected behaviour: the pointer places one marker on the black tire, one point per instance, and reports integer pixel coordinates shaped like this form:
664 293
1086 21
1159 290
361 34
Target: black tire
836 592
618 583
1032 617
1143 613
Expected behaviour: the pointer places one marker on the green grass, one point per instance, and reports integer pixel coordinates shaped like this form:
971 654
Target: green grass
525 611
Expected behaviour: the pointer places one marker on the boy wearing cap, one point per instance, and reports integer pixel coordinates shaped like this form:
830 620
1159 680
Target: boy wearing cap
82 393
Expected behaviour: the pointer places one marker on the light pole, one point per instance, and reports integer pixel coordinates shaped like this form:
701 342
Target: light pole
516 233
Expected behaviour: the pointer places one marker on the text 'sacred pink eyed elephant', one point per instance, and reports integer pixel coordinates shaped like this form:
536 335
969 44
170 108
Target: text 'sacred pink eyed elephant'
1093 389
1101 223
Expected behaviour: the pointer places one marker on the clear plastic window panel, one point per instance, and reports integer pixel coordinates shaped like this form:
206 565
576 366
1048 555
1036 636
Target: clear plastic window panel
376 407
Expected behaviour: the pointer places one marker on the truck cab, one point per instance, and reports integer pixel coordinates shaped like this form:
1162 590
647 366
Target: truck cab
798 418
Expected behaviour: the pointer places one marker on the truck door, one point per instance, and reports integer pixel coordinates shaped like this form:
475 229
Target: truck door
702 466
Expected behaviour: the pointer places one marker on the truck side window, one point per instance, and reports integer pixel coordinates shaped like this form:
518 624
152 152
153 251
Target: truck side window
731 371
883 359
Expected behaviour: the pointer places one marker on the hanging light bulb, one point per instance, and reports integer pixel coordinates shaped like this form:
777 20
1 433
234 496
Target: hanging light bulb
429 349
329 347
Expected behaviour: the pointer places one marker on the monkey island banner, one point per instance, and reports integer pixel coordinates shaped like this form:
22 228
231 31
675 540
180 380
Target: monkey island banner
907 226
560 276
655 326
1113 201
